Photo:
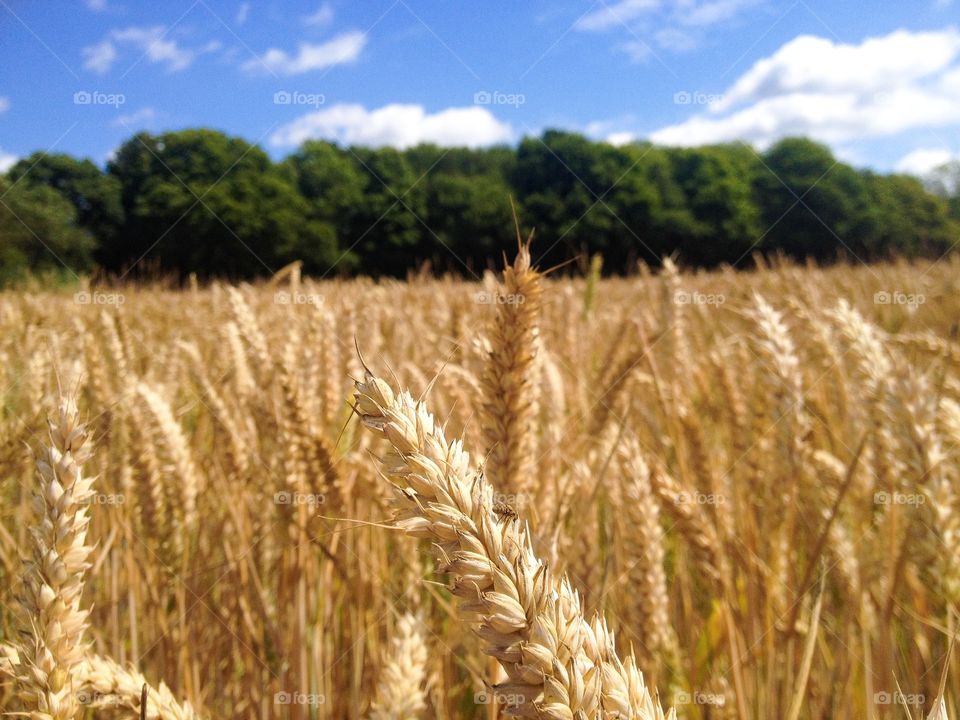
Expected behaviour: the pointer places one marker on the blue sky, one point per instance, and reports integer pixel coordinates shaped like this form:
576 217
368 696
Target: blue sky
879 82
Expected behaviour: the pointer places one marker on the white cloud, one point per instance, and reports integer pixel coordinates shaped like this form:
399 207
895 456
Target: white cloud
99 58
711 12
242 13
675 39
617 14
7 160
160 48
813 64
835 92
97 5
923 160
137 120
620 138
396 125
609 131
344 48
322 17
637 50
674 25
4 104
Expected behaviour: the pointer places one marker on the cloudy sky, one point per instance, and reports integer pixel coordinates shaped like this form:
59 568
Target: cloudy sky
878 81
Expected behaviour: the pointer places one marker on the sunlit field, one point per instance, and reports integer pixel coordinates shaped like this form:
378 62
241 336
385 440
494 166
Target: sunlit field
752 477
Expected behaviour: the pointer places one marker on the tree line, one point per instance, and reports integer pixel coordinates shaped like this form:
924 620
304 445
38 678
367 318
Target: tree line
199 201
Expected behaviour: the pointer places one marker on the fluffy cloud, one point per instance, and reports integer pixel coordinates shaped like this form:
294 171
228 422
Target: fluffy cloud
7 160
835 92
810 64
399 126
159 48
4 104
922 161
99 58
344 48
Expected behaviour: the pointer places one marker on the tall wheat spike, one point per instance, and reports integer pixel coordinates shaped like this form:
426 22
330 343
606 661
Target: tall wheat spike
510 387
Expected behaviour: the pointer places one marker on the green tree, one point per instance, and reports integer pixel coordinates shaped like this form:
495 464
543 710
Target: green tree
909 220
387 229
39 234
94 195
470 220
333 183
717 187
200 201
812 205
653 217
563 182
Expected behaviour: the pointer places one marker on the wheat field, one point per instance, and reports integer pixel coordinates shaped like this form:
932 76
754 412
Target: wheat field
720 495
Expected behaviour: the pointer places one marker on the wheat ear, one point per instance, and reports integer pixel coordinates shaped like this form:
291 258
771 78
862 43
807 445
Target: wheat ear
99 683
400 692
53 624
509 384
558 665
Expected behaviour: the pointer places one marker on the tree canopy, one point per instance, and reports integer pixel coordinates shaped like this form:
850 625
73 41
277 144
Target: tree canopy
199 201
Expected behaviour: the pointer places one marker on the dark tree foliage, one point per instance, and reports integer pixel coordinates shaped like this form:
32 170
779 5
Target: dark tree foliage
203 202
199 201
39 234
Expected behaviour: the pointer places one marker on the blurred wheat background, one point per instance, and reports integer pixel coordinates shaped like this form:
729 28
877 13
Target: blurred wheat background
753 476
